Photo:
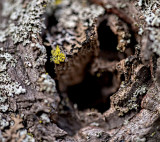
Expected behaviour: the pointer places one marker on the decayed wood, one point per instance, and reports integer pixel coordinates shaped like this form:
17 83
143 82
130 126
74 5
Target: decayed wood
28 91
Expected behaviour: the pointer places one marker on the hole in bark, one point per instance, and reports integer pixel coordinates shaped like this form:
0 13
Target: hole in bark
88 94
122 77
108 40
50 21
93 91
108 43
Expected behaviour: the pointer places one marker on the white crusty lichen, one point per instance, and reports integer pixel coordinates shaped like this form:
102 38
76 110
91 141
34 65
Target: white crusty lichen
29 22
10 6
73 11
154 36
2 98
132 103
4 108
41 47
2 36
140 32
8 87
151 12
140 3
28 137
47 83
45 118
8 58
3 122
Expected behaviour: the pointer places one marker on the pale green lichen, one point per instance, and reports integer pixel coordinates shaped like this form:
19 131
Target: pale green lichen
155 38
131 104
8 87
2 36
11 8
29 21
45 118
151 13
3 122
73 11
28 26
47 83
151 10
4 108
28 136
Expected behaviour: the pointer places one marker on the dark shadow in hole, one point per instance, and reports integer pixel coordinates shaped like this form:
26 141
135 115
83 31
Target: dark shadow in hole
88 94
49 66
50 21
68 123
109 41
122 77
132 44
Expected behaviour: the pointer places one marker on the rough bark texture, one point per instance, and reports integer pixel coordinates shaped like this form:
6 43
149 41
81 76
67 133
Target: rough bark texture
106 89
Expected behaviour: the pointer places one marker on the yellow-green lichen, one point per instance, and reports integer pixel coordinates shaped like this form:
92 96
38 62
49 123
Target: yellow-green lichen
57 2
153 134
30 134
57 56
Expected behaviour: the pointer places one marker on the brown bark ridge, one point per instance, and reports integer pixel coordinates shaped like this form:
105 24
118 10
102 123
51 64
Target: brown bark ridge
106 88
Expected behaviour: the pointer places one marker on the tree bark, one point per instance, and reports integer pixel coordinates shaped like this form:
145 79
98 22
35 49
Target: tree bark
107 87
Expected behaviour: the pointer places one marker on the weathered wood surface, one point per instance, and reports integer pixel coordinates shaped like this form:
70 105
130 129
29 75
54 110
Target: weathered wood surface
39 96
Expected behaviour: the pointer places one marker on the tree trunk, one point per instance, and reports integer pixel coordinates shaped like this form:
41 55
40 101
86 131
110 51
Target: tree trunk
77 71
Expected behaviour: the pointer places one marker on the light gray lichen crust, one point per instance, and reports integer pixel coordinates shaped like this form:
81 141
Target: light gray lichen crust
28 20
69 16
8 87
151 12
